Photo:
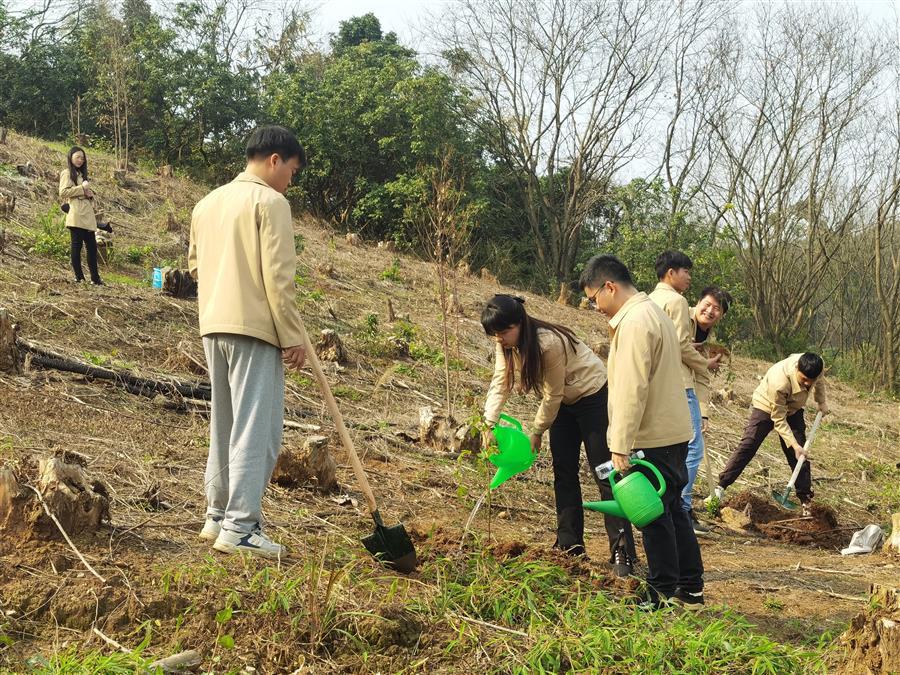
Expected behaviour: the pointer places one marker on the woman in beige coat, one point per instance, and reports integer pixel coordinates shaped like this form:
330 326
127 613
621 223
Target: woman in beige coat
80 217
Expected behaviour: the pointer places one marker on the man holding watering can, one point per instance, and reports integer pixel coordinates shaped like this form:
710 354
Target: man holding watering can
648 411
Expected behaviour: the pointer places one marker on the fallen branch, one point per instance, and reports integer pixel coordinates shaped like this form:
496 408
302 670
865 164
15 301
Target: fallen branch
108 640
802 568
64 534
142 386
485 624
176 662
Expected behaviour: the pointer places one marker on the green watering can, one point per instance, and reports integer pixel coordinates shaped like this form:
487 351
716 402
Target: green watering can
633 497
515 454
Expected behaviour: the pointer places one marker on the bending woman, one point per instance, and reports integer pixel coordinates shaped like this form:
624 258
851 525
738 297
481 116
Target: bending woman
80 218
552 362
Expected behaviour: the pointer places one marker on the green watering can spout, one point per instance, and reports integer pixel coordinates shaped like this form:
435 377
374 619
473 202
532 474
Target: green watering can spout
515 455
634 498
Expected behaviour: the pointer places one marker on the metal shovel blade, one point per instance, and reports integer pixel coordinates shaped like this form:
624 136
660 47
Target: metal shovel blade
784 499
391 546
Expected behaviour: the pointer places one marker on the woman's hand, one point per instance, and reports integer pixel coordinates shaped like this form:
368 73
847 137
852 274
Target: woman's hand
487 439
621 463
536 443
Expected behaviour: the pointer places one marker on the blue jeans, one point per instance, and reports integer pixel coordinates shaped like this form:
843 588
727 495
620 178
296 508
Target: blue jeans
695 449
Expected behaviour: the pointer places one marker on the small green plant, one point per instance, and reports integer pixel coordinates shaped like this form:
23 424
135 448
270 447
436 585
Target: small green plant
51 238
348 393
772 603
96 359
136 254
712 506
299 243
392 273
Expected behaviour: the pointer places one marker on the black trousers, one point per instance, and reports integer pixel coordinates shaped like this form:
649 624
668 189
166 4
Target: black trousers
89 240
673 554
585 421
758 427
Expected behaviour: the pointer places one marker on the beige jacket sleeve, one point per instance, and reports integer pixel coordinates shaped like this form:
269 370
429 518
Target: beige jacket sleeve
68 189
279 265
780 412
553 367
192 251
702 388
628 391
680 314
497 393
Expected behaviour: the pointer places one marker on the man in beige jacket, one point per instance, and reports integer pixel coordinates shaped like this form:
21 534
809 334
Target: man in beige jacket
673 268
243 256
778 403
648 411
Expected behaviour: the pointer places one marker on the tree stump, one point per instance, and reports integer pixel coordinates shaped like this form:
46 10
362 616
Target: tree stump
7 205
565 295
584 303
873 638
352 238
26 169
3 132
330 348
391 317
312 462
165 171
454 306
120 177
171 222
445 434
892 545
78 503
82 140
178 283
9 353
463 269
104 247
387 245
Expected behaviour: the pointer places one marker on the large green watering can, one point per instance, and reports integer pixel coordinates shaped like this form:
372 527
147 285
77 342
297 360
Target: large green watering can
634 498
515 454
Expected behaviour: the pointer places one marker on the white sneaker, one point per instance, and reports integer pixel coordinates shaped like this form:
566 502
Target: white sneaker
211 528
254 542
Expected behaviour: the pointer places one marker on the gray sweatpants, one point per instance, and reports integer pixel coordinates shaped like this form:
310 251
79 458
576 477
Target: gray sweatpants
247 378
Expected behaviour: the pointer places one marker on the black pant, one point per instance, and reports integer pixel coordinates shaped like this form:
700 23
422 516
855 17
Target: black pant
758 427
89 239
584 421
673 554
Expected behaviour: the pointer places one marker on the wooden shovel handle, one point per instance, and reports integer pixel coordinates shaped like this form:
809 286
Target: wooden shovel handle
313 360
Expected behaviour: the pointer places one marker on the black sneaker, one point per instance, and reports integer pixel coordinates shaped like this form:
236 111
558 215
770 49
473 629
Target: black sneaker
622 564
699 528
688 599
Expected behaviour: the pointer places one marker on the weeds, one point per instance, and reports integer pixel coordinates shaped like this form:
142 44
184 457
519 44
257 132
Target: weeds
392 273
51 238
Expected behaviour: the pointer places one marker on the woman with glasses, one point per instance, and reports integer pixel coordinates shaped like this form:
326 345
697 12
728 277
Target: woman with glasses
570 380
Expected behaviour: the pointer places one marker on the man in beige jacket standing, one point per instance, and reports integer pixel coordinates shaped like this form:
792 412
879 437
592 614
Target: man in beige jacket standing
648 411
673 269
243 256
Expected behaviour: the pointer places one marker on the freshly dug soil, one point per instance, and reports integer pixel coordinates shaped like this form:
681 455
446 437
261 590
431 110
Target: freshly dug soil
819 529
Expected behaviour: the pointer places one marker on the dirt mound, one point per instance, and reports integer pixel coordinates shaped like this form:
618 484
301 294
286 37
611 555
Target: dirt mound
873 638
820 528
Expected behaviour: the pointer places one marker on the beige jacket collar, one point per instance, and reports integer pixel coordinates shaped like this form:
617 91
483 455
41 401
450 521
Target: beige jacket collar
246 176
632 302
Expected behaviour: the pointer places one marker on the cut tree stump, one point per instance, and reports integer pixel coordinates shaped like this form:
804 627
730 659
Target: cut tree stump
330 348
9 352
454 306
565 295
3 133
892 545
7 205
179 283
120 177
165 171
178 663
487 276
446 435
171 223
352 238
78 503
312 462
873 638
391 317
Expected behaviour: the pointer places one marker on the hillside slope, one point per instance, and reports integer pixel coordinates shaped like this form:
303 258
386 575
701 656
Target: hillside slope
330 608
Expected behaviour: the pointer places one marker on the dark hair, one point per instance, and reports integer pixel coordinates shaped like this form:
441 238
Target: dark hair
74 170
503 311
672 260
602 268
275 140
811 365
723 297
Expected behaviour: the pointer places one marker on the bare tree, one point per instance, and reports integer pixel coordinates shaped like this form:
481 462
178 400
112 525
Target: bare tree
793 165
566 88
